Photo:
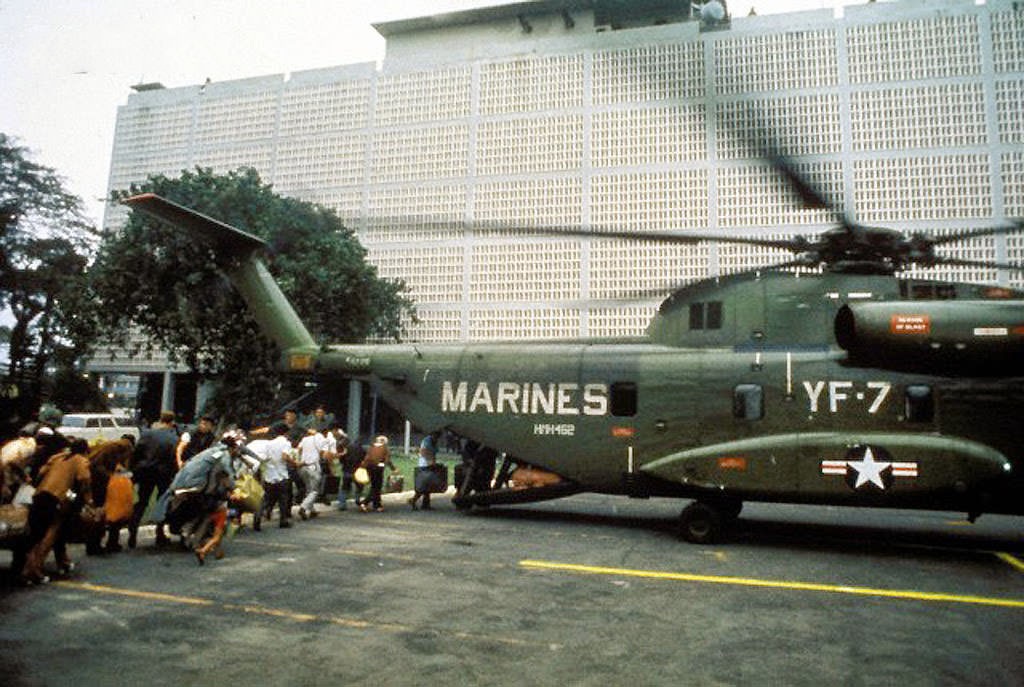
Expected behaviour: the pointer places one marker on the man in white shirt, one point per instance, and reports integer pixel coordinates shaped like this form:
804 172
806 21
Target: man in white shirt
258 448
276 485
311 450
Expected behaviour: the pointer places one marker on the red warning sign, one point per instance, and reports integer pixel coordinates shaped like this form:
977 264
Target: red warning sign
910 324
732 463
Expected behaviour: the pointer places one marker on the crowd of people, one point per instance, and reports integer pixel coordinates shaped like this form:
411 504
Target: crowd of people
202 482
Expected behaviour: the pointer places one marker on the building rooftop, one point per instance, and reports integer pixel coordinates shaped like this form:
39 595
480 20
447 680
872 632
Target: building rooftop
652 11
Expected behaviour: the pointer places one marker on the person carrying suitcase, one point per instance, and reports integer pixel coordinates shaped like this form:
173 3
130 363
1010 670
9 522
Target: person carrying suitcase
427 478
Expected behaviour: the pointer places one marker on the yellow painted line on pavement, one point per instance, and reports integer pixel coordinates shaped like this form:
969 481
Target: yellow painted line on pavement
774 584
296 616
1012 560
152 596
276 612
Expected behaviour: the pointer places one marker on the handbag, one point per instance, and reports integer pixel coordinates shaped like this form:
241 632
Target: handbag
81 525
248 493
24 495
361 476
395 483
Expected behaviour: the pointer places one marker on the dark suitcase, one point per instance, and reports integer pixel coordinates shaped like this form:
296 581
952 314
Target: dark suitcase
432 479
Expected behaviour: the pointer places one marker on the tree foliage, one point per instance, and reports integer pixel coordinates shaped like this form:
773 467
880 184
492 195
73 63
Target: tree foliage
157 278
45 244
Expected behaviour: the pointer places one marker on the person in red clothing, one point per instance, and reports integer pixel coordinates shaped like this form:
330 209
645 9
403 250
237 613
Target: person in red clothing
60 478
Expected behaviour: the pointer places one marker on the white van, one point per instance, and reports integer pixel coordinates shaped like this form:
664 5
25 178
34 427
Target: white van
96 426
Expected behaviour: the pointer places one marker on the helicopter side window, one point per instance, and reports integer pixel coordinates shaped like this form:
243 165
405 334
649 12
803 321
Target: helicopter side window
714 315
919 403
706 315
748 402
696 316
623 399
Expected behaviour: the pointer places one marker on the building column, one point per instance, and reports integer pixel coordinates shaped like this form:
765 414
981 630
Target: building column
204 390
167 393
355 407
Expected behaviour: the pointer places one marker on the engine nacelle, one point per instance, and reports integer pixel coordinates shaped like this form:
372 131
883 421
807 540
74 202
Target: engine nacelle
977 333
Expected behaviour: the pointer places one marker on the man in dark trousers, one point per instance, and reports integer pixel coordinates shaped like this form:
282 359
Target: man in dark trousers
350 455
294 431
153 468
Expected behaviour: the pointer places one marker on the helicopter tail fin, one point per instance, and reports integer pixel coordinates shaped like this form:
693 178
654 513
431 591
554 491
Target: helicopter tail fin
270 308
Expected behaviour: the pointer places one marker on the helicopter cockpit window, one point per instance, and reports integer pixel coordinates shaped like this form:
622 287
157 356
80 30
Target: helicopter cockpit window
623 399
748 402
919 403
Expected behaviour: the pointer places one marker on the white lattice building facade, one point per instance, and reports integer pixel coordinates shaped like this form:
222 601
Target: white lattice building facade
908 113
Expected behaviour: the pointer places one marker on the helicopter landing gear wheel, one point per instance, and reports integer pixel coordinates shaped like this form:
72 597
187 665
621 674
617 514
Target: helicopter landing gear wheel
701 523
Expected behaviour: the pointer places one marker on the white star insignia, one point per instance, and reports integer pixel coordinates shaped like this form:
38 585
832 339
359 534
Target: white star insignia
868 470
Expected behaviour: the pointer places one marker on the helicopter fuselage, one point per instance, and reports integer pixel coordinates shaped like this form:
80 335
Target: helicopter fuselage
647 419
831 387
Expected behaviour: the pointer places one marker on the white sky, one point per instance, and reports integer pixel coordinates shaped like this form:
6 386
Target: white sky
66 65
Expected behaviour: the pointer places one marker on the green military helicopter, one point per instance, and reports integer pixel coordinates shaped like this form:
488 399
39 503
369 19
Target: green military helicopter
848 386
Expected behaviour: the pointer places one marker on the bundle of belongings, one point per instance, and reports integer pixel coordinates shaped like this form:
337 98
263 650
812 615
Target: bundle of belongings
15 489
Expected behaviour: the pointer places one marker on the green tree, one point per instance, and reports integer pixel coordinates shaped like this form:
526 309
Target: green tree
154 277
45 244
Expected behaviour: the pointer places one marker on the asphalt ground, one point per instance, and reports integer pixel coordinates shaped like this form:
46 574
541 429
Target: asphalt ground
588 590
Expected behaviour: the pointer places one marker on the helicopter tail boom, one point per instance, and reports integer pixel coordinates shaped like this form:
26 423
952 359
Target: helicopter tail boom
270 308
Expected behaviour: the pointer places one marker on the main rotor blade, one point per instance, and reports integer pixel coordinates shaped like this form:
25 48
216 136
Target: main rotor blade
797 244
763 142
663 291
652 236
983 264
812 198
796 262
1013 227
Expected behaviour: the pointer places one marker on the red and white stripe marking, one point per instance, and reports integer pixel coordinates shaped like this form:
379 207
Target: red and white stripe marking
839 467
833 467
904 469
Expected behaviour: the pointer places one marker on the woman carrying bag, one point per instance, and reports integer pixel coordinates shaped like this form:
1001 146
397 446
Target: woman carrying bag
376 458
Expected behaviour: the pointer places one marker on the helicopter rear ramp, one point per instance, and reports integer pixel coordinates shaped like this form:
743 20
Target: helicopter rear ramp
509 496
